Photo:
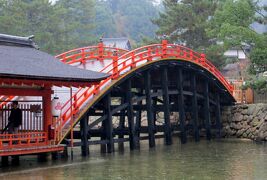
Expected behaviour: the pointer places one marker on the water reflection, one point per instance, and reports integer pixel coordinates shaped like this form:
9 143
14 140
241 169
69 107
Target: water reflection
225 159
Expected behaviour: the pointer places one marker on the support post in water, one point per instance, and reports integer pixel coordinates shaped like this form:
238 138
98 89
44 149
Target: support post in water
194 106
166 105
109 125
181 106
218 115
149 109
132 136
121 126
207 110
138 118
84 136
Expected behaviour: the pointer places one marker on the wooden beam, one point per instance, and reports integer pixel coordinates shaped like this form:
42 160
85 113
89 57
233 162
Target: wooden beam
207 110
181 106
109 125
149 109
24 91
138 118
218 114
194 107
84 136
130 116
166 103
47 114
122 125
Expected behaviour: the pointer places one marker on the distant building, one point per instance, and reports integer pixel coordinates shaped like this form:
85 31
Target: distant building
122 43
235 53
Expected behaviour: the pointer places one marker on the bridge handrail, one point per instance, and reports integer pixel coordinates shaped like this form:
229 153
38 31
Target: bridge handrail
118 65
99 52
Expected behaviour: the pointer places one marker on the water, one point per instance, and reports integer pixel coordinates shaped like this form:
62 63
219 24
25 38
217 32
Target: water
218 159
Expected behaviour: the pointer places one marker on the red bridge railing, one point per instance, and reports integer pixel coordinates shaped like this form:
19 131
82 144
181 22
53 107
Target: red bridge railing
121 64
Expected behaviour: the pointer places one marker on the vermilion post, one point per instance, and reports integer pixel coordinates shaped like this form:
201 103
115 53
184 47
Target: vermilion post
47 108
164 48
115 65
100 51
202 58
133 60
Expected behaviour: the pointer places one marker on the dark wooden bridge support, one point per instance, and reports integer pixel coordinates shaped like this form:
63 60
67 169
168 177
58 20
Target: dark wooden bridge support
218 115
193 94
149 109
207 110
130 116
194 106
121 126
138 118
103 146
166 102
109 125
181 105
84 136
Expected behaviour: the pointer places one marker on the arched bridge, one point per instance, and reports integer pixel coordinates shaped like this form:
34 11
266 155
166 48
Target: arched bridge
160 89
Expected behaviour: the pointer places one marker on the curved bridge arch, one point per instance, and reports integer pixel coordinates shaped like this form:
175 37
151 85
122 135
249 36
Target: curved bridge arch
129 63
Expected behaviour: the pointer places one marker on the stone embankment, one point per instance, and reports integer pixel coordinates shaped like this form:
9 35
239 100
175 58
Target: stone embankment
245 121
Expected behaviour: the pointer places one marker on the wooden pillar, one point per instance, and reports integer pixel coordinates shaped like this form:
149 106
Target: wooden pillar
84 136
109 125
154 104
181 105
218 115
47 108
138 118
130 116
194 107
122 125
166 105
149 109
103 147
207 109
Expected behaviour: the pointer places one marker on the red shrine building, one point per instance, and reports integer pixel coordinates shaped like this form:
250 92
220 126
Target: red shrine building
27 71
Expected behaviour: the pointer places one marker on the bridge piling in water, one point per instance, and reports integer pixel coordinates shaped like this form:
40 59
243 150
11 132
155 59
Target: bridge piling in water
84 135
194 106
166 102
121 125
207 110
130 116
218 115
109 125
179 84
149 109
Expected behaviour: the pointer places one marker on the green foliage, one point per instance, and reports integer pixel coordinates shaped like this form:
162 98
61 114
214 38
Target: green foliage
57 28
186 21
130 18
257 83
258 60
231 24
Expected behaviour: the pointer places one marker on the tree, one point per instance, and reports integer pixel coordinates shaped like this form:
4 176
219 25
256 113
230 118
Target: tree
231 26
185 22
57 27
130 18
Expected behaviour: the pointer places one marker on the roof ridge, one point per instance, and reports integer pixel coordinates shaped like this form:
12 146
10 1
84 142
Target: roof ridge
18 40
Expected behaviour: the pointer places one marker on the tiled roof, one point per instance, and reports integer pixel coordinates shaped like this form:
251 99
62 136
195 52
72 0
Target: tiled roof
122 43
19 59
